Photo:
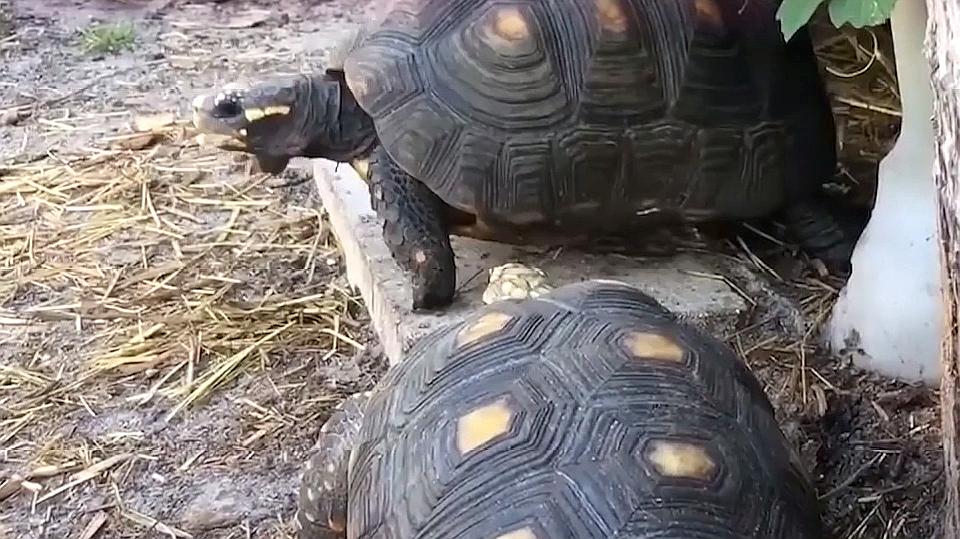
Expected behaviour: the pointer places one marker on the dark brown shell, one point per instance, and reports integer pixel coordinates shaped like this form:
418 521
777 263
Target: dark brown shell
556 110
589 412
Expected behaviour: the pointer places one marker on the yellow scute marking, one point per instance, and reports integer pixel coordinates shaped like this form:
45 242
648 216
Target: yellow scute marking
680 459
653 346
482 425
487 324
511 25
709 11
522 533
611 15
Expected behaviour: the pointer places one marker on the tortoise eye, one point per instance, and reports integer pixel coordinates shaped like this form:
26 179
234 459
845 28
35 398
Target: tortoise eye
227 106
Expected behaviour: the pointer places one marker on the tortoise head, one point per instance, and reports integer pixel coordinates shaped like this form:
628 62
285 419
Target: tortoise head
281 118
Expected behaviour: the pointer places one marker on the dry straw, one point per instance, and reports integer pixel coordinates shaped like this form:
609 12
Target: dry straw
145 253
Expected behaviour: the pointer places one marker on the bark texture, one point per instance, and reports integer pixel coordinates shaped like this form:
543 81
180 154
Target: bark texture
943 52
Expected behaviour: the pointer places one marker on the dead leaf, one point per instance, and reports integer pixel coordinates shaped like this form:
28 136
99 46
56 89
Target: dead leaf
135 141
152 122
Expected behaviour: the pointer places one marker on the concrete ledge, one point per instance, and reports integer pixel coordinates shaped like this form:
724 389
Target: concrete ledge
705 301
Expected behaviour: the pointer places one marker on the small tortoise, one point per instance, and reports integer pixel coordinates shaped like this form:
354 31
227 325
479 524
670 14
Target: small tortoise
509 120
586 412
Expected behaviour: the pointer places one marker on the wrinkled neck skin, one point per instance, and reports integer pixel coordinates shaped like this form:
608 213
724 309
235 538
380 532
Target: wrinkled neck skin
344 132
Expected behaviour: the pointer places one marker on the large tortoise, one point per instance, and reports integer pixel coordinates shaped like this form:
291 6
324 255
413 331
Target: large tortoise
509 120
587 412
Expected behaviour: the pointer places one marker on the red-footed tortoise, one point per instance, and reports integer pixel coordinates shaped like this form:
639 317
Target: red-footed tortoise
506 119
587 412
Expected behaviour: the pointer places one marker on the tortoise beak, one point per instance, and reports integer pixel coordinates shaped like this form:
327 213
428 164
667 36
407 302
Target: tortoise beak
221 124
213 114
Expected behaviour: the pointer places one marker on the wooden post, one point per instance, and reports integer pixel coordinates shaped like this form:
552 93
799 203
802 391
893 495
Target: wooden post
942 49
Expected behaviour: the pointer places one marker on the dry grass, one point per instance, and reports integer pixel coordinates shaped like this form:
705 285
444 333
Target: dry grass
872 446
861 76
145 256
173 328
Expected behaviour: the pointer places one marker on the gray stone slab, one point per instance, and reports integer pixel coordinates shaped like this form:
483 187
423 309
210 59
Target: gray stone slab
681 283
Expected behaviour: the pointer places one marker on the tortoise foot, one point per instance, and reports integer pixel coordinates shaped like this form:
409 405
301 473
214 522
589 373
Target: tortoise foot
819 235
322 506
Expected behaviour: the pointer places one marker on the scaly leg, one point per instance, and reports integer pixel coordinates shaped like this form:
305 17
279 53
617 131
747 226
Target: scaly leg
322 507
415 230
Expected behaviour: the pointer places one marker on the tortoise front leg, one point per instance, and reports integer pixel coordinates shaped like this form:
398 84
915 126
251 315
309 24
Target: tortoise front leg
415 230
322 507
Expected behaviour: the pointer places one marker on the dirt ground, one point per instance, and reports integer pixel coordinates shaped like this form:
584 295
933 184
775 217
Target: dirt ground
174 329
164 274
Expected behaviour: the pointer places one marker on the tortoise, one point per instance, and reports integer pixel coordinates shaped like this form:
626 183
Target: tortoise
524 121
588 411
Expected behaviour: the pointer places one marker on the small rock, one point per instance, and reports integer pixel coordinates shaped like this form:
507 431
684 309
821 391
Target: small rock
250 19
11 117
218 505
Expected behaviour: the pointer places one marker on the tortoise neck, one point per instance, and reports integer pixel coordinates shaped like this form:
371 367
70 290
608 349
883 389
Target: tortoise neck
346 132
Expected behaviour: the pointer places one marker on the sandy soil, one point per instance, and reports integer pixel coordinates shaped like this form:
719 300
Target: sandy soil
138 271
95 384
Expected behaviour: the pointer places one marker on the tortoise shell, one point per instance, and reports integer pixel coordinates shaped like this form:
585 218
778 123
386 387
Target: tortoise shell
555 110
587 412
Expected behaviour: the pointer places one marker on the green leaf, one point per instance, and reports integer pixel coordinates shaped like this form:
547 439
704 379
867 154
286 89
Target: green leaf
793 14
860 13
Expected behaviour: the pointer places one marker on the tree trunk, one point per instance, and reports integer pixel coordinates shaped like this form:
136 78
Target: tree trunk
889 316
943 53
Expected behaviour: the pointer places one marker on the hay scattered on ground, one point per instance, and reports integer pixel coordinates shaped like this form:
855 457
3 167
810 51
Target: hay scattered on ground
137 247
872 446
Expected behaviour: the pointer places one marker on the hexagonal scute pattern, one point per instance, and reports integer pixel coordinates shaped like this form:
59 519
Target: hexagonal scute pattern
565 111
589 412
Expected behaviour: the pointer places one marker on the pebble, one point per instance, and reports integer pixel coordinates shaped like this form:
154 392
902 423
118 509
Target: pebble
11 117
217 506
